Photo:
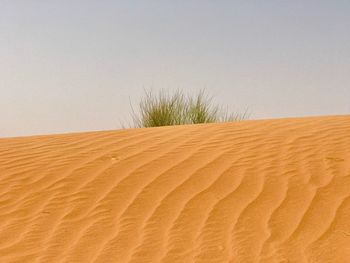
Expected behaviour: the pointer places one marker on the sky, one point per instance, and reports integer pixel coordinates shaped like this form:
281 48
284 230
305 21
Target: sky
78 65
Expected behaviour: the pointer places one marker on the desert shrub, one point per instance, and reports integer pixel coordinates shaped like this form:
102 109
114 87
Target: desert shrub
165 109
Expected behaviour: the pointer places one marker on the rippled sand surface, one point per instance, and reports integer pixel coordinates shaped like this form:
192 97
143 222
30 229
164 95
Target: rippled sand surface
252 191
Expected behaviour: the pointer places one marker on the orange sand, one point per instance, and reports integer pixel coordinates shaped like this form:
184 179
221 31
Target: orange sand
254 191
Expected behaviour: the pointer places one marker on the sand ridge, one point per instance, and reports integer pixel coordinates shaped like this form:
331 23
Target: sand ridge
252 191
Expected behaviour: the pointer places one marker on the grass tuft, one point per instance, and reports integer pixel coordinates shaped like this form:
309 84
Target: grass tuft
164 109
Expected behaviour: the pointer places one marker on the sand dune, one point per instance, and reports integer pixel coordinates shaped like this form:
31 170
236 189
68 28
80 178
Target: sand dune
253 191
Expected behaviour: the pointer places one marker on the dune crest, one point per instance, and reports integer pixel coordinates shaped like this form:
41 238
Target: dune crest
252 191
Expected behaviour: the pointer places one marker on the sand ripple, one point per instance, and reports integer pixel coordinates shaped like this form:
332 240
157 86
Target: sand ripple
254 191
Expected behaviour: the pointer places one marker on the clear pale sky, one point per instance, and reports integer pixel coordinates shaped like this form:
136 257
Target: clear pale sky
73 65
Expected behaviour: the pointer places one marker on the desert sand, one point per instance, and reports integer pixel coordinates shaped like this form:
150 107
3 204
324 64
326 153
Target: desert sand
251 191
